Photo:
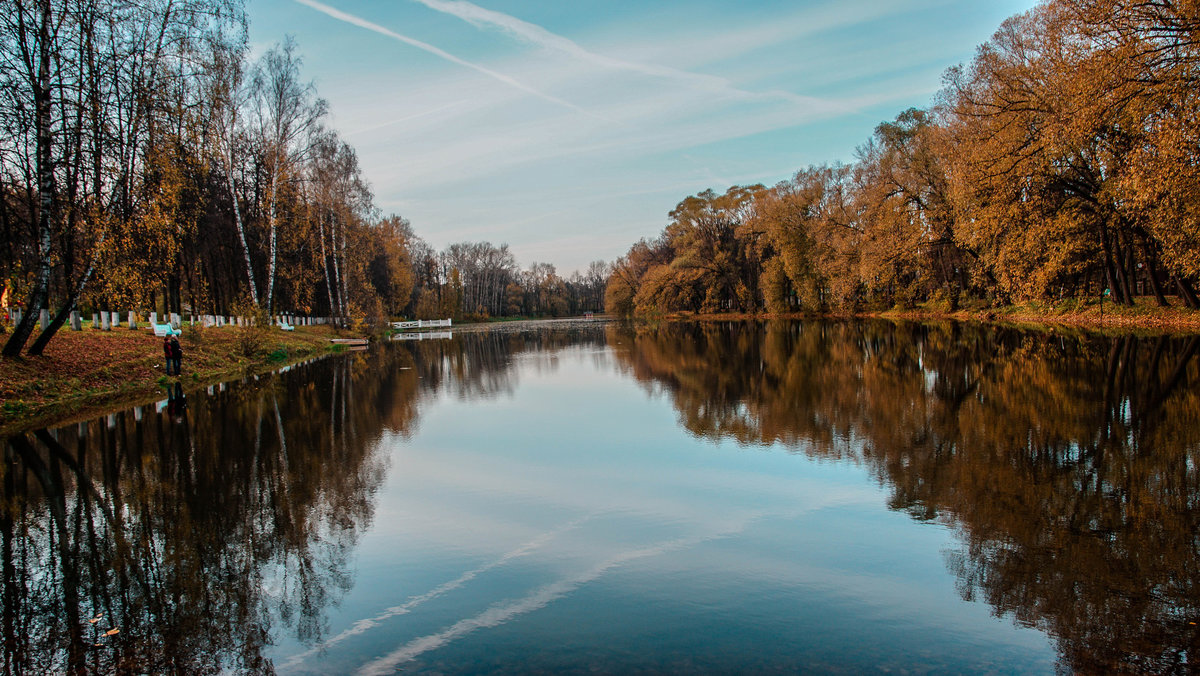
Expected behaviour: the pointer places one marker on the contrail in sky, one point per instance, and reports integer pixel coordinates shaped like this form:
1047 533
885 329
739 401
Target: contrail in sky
534 34
425 46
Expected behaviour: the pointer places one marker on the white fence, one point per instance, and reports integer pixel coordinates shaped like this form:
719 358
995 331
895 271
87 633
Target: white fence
107 321
421 324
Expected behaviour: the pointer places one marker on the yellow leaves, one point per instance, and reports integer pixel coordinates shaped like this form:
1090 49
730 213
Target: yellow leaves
108 634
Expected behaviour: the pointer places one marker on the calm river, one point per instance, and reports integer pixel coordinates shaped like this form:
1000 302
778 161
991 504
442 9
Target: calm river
598 498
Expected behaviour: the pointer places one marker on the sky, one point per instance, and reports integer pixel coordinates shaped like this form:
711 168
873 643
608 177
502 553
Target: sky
568 129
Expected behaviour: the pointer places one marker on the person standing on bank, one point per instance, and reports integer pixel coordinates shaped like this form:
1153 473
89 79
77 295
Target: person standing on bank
176 353
167 352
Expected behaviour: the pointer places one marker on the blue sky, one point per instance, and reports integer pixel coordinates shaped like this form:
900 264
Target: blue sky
569 129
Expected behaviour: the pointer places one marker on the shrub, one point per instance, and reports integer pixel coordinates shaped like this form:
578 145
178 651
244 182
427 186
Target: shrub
252 337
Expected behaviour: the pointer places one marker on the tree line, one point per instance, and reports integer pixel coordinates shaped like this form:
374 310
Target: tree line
1063 162
477 280
147 161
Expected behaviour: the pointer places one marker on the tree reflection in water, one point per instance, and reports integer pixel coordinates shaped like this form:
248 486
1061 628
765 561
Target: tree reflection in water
199 527
1069 464
191 529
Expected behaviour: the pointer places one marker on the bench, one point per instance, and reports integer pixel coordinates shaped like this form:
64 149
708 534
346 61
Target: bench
161 330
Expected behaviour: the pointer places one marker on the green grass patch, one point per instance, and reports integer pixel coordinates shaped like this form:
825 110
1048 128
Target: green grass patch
13 408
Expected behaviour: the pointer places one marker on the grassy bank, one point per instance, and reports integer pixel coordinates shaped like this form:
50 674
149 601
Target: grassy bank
86 371
1087 314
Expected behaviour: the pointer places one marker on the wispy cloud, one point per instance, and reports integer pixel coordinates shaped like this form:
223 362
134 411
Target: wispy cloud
407 118
441 53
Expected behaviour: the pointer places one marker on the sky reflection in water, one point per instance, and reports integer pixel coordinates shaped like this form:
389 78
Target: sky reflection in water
562 521
720 497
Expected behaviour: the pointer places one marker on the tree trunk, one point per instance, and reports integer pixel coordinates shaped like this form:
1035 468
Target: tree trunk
345 287
1110 281
65 311
1160 296
337 269
1187 293
39 294
333 310
271 224
241 228
1122 292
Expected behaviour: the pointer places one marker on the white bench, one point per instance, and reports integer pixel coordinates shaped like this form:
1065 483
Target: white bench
286 327
161 330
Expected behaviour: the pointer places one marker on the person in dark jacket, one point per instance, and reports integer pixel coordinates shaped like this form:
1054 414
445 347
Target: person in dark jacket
176 353
167 354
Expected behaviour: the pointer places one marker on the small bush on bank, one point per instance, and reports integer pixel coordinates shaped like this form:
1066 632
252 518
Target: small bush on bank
253 336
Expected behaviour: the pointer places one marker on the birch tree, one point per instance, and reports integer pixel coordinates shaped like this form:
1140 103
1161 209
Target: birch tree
34 80
288 114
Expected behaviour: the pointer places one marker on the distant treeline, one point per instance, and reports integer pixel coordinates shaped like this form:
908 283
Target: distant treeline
147 162
1064 161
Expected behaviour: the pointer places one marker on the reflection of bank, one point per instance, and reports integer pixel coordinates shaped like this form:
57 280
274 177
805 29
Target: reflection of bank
424 335
176 402
118 521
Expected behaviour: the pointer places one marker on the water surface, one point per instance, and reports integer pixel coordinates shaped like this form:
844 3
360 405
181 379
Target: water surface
717 498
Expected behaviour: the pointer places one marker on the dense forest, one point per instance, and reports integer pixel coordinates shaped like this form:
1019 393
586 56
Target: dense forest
1062 163
148 163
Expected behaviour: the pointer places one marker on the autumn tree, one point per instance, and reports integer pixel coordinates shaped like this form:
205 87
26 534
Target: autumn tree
1059 167
908 248
712 264
1147 66
626 274
390 267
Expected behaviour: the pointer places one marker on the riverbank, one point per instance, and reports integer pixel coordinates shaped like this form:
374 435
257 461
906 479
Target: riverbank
91 370
87 371
1090 314
1084 314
